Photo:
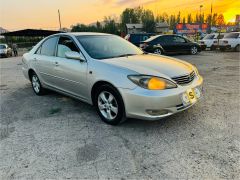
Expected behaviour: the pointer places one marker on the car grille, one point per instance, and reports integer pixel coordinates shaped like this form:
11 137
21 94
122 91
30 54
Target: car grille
186 79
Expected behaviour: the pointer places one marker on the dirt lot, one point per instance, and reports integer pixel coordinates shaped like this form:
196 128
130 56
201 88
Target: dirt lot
61 138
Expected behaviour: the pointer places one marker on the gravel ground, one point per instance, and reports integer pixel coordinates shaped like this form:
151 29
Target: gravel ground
57 137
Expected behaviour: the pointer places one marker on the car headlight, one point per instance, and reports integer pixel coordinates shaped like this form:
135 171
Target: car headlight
152 82
196 70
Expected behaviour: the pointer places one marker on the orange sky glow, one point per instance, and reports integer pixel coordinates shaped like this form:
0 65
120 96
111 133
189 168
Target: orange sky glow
20 14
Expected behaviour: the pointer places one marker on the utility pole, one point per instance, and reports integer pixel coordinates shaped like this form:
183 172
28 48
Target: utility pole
211 19
59 18
201 13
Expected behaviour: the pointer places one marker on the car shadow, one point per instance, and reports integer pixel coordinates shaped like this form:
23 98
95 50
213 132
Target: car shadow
24 105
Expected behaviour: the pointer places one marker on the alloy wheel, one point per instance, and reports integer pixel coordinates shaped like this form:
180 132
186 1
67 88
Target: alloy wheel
194 50
158 51
107 105
36 84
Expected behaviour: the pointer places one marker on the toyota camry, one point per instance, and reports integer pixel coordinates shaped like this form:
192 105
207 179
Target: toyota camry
115 76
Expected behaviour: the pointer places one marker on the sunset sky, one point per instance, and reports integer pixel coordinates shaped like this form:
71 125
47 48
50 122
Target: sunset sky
20 14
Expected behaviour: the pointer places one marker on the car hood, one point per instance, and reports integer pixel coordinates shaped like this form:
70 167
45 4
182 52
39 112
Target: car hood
151 64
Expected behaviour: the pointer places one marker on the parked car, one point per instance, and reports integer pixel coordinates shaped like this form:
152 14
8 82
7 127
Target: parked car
137 38
209 39
5 50
169 44
230 41
115 76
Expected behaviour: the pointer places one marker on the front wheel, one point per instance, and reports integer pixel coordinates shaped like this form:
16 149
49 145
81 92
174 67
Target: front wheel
194 50
109 105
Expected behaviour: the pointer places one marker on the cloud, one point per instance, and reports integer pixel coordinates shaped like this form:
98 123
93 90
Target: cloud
127 3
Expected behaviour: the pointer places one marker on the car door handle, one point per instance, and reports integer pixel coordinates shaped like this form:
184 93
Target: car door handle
56 64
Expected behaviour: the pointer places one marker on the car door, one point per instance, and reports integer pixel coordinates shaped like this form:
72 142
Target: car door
180 44
167 43
43 61
71 74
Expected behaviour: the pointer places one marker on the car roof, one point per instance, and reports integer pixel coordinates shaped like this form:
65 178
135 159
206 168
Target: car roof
84 34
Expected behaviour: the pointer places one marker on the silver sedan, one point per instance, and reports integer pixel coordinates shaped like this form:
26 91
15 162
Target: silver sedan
119 79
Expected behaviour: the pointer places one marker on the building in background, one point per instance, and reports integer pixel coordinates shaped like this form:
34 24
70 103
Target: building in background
134 28
162 28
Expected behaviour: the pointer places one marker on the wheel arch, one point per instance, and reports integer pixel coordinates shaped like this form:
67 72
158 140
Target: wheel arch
30 73
158 47
97 85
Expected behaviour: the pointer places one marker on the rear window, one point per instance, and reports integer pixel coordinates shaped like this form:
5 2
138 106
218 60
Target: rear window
151 38
231 35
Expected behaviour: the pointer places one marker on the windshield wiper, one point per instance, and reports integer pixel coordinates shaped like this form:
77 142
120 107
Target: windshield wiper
124 55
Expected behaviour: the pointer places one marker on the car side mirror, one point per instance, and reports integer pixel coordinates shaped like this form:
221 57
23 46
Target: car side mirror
74 55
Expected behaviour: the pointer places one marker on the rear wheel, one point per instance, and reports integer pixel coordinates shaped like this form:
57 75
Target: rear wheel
158 51
212 48
194 50
36 85
237 48
109 105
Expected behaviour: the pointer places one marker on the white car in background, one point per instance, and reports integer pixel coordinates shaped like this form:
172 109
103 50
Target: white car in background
209 39
5 50
230 41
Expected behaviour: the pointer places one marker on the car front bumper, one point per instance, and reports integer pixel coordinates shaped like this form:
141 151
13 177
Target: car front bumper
3 53
139 102
203 46
224 47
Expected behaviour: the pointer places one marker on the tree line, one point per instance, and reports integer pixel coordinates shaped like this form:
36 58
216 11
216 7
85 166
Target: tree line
116 25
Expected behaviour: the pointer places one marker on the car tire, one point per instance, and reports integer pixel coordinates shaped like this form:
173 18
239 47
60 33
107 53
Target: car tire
237 48
212 48
194 50
109 105
36 85
158 51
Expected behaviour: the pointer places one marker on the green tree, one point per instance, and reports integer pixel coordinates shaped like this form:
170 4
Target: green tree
220 20
189 18
214 19
110 25
178 17
130 15
184 20
148 21
172 22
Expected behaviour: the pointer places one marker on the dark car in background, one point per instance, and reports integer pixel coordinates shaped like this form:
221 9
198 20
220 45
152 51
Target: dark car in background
5 50
137 38
170 44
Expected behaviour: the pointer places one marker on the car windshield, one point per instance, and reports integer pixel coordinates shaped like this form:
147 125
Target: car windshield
2 46
209 36
107 46
231 35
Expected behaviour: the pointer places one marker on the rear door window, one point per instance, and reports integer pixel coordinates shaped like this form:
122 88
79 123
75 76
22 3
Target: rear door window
178 39
49 46
166 39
